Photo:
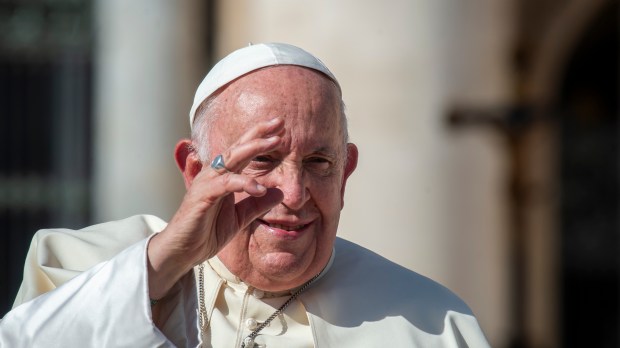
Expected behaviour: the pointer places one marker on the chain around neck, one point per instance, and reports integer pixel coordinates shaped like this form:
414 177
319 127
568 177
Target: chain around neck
248 341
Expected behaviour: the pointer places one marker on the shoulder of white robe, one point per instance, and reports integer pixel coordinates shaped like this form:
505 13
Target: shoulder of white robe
57 255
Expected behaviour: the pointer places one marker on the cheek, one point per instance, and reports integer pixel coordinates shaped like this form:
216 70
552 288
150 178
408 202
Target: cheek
327 199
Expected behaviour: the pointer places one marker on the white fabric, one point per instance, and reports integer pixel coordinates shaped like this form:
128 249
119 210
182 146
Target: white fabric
363 301
236 303
250 58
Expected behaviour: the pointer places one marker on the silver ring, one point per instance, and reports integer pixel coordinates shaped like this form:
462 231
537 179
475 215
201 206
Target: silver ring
218 164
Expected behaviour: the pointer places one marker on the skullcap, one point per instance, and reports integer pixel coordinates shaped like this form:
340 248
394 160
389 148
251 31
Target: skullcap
250 58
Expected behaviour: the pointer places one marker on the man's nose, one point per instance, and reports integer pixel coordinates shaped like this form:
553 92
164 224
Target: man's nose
293 185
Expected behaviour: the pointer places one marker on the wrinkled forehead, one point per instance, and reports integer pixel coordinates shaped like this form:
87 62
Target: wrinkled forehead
282 86
307 100
248 59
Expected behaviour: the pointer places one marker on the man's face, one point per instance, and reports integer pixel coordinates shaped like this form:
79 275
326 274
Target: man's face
293 241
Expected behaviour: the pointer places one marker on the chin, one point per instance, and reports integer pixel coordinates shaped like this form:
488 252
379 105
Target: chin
283 270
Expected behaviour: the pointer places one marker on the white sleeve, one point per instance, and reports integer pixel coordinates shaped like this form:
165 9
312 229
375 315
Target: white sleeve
106 306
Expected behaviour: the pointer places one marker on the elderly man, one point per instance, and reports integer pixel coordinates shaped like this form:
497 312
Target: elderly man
251 257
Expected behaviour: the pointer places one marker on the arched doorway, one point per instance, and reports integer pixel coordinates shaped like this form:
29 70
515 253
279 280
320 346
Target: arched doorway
589 186
570 175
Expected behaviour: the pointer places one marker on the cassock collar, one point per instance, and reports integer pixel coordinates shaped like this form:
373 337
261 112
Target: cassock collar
222 271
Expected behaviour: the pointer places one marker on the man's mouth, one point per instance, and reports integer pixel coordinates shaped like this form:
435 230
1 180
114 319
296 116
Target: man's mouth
284 227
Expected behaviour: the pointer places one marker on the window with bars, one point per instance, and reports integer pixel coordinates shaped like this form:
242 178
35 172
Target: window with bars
45 125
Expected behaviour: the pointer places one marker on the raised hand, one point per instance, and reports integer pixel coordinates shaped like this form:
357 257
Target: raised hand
208 216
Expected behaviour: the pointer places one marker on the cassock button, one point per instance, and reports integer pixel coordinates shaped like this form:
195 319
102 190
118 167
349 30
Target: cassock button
251 323
259 293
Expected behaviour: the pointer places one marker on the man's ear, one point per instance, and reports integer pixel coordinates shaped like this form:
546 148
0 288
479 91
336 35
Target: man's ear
349 167
187 161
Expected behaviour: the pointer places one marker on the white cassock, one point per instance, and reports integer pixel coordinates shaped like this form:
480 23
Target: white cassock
95 294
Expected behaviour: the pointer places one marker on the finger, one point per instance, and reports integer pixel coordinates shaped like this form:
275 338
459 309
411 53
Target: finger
263 137
223 185
237 157
250 208
263 129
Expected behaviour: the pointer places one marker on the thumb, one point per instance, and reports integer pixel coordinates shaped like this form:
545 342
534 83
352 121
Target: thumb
251 207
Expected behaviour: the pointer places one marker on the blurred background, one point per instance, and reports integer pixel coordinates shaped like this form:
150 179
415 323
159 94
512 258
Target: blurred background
488 136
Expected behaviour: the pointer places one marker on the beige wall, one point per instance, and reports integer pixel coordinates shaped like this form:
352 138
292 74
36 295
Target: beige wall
424 196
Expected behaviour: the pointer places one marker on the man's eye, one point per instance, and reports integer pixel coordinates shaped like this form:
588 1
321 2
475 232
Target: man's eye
320 165
262 163
262 159
317 160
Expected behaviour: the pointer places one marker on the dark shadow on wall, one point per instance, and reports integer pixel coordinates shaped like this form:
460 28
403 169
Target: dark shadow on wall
590 192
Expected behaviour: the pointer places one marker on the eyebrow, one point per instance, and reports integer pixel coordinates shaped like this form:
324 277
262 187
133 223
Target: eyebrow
321 150
324 150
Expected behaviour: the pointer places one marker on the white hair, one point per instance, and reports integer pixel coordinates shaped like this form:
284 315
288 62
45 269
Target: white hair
203 122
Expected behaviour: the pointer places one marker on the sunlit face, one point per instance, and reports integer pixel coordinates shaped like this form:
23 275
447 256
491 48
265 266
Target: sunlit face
293 241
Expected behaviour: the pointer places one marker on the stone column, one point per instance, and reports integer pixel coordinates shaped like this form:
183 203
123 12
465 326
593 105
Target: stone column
149 60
